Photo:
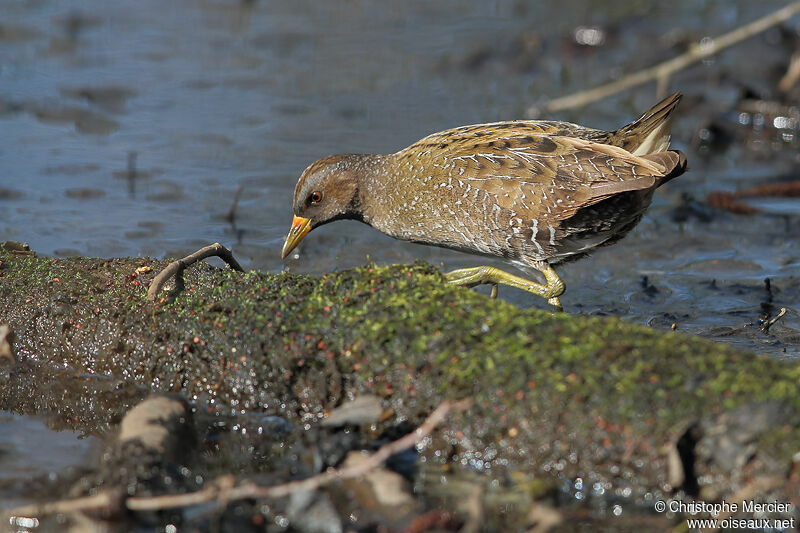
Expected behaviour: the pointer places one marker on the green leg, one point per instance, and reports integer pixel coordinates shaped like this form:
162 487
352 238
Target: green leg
472 277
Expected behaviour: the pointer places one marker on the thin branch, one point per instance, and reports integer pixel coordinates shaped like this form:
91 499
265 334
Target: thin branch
786 189
792 74
726 200
106 500
730 200
176 268
222 489
697 52
230 216
748 492
769 323
251 490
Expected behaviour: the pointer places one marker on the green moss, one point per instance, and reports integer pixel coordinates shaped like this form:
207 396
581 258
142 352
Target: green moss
298 344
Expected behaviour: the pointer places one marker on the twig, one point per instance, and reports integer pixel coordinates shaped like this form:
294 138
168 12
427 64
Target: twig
792 74
748 492
729 200
223 491
787 189
176 268
130 173
662 71
726 200
768 323
251 490
472 505
105 500
230 216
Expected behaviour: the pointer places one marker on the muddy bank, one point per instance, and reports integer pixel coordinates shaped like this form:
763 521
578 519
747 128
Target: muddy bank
584 413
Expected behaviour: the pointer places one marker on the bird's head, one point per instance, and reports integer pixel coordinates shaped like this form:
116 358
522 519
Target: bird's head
326 191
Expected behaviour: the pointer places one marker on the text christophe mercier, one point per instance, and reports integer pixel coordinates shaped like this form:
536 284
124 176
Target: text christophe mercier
724 507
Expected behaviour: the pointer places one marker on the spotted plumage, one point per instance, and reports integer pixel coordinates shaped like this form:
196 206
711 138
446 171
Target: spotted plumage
535 193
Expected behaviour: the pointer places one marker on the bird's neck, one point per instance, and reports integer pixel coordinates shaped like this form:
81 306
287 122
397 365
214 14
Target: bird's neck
376 184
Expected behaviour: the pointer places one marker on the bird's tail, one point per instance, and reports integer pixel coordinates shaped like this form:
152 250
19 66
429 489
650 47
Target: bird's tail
673 161
650 132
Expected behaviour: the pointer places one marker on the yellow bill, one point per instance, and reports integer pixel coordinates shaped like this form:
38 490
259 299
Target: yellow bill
300 226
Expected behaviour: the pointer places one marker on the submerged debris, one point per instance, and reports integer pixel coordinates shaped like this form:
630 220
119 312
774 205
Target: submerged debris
730 201
6 345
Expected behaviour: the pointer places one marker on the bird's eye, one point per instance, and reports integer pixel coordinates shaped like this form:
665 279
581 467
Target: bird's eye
315 197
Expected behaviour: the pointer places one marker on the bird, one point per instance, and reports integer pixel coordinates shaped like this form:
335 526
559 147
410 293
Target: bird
534 193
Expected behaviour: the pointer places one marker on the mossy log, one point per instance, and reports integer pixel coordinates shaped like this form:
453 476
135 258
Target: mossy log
636 411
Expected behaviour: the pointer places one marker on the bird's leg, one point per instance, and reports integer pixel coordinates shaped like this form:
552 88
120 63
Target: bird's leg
472 277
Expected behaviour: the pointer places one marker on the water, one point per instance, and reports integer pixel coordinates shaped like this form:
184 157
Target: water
32 454
206 97
127 128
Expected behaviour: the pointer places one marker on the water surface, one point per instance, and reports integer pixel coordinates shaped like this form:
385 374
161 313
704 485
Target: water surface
128 128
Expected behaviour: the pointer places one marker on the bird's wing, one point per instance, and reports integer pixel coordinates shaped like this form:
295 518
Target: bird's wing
525 169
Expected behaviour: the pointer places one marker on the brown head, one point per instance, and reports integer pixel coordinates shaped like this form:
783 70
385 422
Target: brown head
327 190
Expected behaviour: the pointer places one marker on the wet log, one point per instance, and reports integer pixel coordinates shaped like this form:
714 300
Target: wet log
556 396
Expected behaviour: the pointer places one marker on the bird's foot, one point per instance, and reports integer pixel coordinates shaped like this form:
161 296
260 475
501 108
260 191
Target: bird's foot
555 302
472 277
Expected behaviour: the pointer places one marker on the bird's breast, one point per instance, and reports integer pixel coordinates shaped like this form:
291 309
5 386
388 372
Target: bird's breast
454 213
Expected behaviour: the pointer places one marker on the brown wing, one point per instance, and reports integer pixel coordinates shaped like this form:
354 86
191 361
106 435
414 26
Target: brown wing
475 133
539 176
